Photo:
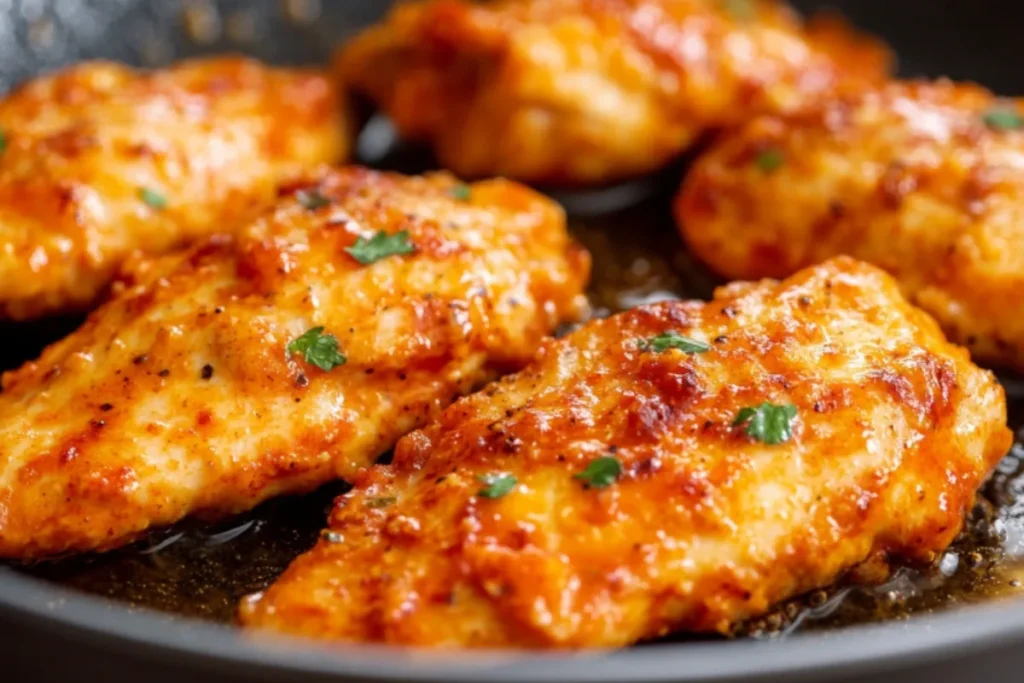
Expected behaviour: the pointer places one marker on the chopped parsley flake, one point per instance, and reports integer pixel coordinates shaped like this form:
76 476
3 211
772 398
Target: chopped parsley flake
380 246
461 192
769 160
318 349
497 485
601 472
673 340
152 198
312 200
740 9
1003 118
768 423
3 141
382 502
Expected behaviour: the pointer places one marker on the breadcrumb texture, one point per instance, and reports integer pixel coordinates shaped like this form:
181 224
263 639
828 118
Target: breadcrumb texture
895 430
589 91
179 396
101 160
910 178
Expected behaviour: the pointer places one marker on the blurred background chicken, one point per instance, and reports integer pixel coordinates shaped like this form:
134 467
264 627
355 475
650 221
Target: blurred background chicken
591 91
925 179
100 161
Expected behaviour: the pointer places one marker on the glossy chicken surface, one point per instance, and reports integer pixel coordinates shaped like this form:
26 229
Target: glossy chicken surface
587 91
186 393
893 430
100 160
925 180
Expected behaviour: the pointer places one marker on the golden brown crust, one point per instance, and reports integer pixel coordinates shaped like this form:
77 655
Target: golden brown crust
584 91
909 178
895 431
212 137
178 396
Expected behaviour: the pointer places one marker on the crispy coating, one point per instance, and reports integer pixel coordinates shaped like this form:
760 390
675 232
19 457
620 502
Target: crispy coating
585 91
211 138
179 395
909 178
895 431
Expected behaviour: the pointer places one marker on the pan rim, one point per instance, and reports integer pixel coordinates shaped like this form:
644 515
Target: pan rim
155 636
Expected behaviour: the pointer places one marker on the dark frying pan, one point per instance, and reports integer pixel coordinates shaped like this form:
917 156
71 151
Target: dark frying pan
49 632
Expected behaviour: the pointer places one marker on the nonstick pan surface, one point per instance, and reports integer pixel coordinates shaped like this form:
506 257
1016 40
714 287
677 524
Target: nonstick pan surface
50 632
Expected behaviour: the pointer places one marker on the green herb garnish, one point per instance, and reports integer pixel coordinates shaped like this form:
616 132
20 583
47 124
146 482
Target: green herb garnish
152 198
498 485
318 349
382 502
1003 119
740 9
769 160
312 200
601 472
768 423
3 141
460 192
673 340
380 246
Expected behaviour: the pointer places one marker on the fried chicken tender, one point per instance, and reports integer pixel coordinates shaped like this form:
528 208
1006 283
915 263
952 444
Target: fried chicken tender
605 494
925 180
587 91
101 160
277 361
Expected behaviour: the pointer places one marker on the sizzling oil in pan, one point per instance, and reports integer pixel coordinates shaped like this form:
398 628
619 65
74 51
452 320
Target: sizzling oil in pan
202 571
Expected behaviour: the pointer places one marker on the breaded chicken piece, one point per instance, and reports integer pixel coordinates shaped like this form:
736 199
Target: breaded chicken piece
359 307
678 467
101 160
587 91
925 180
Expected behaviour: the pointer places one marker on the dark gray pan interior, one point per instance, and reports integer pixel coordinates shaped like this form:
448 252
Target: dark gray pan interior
49 634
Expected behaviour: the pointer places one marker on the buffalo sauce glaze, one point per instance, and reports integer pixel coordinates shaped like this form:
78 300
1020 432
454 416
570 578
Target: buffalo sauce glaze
203 570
